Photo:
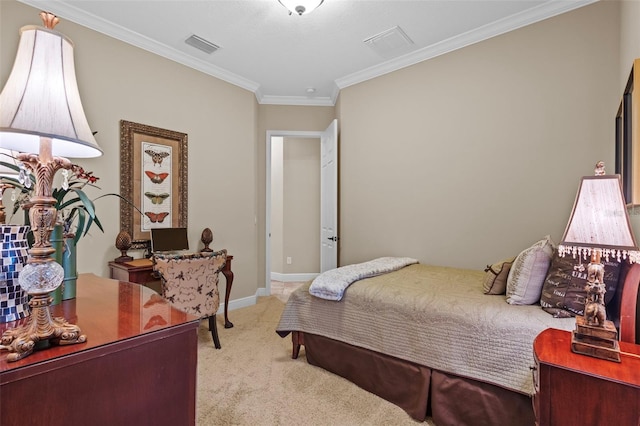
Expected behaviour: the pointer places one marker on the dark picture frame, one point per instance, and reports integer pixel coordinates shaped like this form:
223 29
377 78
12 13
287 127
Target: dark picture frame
626 143
153 176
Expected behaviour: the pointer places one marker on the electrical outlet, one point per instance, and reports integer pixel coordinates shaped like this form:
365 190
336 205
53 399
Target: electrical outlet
288 261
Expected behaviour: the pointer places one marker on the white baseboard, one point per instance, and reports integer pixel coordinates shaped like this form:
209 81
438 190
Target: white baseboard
238 303
292 278
262 291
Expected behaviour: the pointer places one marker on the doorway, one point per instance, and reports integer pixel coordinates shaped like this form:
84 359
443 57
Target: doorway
296 259
292 233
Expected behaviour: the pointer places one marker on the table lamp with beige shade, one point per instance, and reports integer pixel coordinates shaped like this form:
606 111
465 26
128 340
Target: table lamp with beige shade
41 117
598 228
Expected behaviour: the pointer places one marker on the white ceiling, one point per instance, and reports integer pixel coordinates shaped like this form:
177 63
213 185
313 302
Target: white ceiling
280 56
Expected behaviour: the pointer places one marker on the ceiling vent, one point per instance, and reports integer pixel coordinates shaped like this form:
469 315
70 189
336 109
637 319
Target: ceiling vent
202 44
389 43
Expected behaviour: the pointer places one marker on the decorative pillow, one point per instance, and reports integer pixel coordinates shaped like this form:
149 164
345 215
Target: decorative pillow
528 272
563 292
495 282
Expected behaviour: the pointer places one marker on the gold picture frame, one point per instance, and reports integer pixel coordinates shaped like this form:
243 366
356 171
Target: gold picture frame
153 176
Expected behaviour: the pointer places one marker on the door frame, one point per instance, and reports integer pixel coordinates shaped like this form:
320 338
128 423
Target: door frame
270 134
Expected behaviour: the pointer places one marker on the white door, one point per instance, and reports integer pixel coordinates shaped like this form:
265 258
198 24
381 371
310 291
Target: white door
329 198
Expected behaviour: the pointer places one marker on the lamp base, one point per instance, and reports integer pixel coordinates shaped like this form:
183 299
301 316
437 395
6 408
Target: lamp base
595 341
21 341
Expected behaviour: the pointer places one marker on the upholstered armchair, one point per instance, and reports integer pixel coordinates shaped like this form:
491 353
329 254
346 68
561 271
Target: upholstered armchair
190 283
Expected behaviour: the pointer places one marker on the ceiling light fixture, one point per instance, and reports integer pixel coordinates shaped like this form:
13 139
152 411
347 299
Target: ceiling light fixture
301 7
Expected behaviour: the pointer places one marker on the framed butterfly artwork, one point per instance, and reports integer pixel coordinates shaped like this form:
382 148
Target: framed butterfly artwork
153 175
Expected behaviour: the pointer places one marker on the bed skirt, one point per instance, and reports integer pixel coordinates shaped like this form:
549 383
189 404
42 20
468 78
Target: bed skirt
419 390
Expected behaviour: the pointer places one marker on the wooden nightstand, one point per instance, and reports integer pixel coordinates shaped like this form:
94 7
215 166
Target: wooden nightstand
574 389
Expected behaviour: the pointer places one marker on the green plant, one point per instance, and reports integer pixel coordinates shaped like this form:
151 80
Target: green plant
76 211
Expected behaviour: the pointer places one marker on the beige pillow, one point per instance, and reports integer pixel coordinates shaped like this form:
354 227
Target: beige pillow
528 272
495 281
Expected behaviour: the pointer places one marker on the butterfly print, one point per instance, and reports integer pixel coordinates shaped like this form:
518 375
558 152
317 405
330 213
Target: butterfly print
157 217
156 156
156 198
156 177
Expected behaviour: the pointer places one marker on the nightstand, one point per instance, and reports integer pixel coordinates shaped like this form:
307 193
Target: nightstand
574 389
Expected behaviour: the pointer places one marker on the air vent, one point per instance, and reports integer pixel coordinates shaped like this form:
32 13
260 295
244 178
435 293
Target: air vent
202 44
391 42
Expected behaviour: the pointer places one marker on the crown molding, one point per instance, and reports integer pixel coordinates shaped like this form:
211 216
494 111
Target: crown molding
296 100
110 29
547 10
513 22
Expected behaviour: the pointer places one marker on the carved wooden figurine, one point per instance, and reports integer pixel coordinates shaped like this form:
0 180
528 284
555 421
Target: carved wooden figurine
206 238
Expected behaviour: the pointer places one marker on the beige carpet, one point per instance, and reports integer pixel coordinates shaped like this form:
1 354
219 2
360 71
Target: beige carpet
253 380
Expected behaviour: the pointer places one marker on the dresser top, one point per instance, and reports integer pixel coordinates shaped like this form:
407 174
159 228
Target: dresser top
108 312
553 347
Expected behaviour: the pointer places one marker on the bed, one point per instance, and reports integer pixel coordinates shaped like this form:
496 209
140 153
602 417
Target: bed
428 339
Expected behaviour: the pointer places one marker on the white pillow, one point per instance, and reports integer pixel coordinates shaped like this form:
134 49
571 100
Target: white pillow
527 274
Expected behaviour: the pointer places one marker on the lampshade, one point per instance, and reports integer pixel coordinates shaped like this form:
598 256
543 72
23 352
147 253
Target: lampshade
599 221
41 98
301 7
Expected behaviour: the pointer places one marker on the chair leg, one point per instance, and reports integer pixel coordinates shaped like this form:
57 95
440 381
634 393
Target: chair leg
213 328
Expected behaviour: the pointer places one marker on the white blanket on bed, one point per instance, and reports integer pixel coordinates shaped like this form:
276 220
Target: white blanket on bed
331 285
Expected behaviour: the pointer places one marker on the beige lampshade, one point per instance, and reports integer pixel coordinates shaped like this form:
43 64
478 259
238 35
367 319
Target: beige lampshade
41 98
599 221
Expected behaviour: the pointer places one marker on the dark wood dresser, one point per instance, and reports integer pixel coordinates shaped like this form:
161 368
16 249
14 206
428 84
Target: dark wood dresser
138 366
574 389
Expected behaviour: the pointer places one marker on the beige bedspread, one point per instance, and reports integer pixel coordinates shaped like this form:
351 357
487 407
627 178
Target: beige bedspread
434 316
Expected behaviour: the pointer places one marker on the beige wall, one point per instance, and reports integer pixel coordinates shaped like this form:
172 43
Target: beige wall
301 205
295 206
281 117
630 38
474 155
118 81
